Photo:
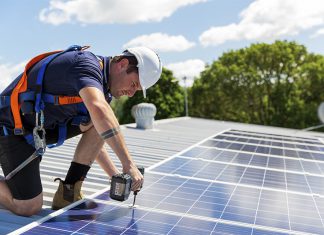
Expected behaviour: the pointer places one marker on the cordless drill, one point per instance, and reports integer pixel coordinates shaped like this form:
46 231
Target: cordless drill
121 186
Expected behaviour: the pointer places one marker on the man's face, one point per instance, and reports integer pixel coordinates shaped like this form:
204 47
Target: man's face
123 83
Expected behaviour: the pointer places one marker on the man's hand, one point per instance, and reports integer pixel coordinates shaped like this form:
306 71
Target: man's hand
137 177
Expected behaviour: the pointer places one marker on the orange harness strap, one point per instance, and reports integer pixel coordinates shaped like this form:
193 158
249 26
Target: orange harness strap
62 100
22 87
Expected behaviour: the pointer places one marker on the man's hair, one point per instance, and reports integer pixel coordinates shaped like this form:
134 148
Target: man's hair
132 67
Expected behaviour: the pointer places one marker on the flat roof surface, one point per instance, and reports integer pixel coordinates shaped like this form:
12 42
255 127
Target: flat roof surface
263 155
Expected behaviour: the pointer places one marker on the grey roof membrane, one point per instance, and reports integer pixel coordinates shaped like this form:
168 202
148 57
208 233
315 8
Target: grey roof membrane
147 147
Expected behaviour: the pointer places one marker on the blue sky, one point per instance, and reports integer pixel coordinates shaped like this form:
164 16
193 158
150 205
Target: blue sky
187 34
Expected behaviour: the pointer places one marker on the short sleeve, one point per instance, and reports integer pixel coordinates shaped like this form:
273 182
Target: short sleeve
86 72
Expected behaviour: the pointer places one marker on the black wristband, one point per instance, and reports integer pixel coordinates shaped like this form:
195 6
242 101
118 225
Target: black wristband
110 133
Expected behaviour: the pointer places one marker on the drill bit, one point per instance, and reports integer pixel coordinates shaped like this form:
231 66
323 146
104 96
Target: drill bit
135 194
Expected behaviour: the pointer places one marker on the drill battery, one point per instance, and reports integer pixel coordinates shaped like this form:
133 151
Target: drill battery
121 186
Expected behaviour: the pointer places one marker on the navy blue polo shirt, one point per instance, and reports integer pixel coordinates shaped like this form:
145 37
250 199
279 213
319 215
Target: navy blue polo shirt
66 75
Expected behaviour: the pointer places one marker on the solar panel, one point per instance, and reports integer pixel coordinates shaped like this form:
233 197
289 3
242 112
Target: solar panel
245 184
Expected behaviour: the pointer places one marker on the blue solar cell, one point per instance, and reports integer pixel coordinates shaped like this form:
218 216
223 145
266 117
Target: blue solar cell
41 230
253 177
312 167
243 158
317 156
307 147
316 184
149 225
276 163
277 144
77 222
231 229
253 141
320 205
290 153
298 221
231 174
180 230
236 146
286 145
136 232
321 166
294 165
213 154
297 183
212 143
305 155
249 148
235 216
194 223
263 232
166 218
273 210
276 151
259 160
262 149
194 152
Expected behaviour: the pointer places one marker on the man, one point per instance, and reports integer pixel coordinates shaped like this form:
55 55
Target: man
75 83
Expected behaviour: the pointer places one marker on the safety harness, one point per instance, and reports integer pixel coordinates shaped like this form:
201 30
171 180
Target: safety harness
23 101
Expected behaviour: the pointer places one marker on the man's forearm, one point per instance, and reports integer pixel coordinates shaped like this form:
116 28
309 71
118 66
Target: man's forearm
106 163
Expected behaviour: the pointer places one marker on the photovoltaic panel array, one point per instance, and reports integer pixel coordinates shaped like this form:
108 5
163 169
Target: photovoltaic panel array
236 182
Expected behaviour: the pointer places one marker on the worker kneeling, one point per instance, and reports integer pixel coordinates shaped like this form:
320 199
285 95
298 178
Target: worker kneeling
60 95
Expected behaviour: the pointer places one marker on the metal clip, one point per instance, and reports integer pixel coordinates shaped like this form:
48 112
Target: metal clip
39 134
41 120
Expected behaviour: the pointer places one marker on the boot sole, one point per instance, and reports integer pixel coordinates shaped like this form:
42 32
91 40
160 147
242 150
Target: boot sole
56 208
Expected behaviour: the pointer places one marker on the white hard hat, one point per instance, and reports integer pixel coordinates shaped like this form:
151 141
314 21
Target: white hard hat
149 66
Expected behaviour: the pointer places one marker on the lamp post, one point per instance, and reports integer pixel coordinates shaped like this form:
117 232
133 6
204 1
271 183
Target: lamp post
186 96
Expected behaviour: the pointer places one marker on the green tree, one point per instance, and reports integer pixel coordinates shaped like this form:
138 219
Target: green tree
275 84
167 95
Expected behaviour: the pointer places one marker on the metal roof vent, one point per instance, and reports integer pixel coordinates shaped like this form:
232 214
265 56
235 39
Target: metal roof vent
320 112
144 115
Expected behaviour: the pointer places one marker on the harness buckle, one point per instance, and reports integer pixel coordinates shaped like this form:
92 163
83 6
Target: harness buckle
19 131
56 100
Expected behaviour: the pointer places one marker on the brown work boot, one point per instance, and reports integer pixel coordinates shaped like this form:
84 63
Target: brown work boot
66 194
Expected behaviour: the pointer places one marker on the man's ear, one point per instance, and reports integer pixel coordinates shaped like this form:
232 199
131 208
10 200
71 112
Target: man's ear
123 64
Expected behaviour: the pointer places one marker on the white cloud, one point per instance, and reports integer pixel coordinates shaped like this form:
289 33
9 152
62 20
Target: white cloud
161 42
189 69
9 73
110 11
268 20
